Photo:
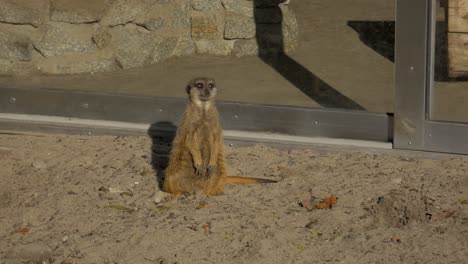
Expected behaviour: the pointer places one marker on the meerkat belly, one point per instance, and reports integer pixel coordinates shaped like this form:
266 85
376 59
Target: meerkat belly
207 142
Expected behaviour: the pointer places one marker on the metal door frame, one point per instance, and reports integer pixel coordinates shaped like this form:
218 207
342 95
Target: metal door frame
414 72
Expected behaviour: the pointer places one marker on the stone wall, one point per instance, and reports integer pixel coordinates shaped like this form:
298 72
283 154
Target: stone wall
87 36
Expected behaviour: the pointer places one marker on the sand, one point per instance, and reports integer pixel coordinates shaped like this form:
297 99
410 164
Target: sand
77 199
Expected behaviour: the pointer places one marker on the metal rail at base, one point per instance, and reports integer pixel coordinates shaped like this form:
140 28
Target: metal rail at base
292 122
52 124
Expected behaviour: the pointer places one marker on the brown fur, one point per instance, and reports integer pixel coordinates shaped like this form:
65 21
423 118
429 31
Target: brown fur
197 162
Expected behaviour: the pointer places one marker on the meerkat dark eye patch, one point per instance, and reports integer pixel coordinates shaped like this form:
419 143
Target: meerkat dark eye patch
210 86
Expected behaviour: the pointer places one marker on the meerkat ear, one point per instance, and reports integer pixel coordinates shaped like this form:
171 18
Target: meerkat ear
187 89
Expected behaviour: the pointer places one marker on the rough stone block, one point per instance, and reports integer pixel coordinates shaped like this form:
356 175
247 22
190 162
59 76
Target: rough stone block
153 24
133 46
123 11
15 68
58 38
271 37
243 47
215 47
5 66
262 15
82 11
102 37
15 47
205 27
239 26
75 63
181 14
184 46
206 5
290 28
163 49
30 12
242 7
158 17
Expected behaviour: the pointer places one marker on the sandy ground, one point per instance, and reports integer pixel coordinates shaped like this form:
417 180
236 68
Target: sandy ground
76 199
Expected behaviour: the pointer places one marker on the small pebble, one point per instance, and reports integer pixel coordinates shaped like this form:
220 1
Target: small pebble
39 165
159 197
397 180
115 190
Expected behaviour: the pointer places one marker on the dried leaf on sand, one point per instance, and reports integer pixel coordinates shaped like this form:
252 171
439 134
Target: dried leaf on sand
23 230
201 205
328 202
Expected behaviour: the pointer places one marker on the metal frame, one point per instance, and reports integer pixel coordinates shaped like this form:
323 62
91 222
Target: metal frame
414 56
165 112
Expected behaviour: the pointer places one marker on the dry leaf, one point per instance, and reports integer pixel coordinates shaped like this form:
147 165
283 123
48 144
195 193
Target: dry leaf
298 246
23 230
314 233
161 209
146 173
126 194
206 227
327 202
464 201
280 168
201 205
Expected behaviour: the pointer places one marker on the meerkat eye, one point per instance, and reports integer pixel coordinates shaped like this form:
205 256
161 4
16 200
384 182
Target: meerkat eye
210 86
199 85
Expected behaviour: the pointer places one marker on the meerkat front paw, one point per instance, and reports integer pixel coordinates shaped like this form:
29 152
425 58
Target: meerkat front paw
210 170
200 169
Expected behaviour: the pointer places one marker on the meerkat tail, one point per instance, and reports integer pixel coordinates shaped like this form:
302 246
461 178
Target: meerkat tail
247 180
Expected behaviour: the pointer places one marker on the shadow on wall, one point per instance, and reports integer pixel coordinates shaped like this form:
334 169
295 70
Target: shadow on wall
380 36
272 52
377 35
162 134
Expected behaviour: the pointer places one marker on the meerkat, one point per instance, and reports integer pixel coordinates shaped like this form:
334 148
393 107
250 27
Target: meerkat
197 163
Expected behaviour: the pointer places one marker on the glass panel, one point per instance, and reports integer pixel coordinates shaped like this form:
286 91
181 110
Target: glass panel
449 99
312 53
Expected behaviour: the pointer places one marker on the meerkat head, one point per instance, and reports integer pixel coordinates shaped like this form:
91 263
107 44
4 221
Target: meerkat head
201 90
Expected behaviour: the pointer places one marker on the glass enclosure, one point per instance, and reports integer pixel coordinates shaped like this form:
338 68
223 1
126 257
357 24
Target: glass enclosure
449 95
315 68
310 53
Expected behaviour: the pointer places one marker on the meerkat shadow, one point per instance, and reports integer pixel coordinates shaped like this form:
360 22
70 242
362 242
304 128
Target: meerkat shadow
162 135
